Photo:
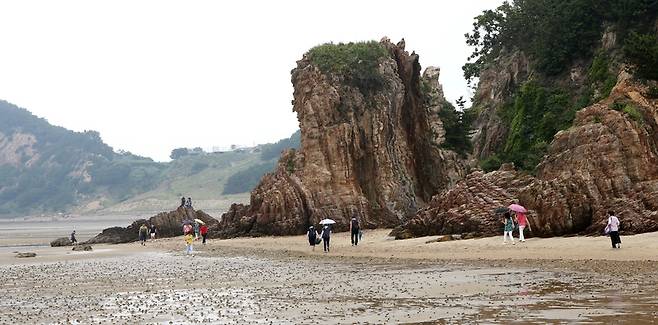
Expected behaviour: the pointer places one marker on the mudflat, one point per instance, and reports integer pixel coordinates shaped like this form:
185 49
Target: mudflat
281 281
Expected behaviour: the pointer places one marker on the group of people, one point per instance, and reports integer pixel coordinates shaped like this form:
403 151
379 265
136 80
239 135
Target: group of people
314 238
144 232
186 203
513 220
192 232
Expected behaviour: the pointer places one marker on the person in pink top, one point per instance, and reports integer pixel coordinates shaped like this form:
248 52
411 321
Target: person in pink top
522 221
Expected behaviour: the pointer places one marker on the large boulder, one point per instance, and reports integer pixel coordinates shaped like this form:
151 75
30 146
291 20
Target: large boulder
372 151
168 224
63 241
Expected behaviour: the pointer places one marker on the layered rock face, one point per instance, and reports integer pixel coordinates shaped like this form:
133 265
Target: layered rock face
168 224
496 84
375 155
607 161
468 207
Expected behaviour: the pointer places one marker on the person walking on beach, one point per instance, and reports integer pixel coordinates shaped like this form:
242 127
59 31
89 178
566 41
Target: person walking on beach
354 231
182 202
326 236
204 233
143 232
312 237
613 229
153 231
189 202
189 239
73 240
196 230
509 227
522 221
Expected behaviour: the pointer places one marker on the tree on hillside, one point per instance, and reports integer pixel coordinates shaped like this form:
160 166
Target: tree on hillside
178 153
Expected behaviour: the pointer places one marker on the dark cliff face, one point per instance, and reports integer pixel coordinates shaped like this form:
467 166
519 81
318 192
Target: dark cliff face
372 153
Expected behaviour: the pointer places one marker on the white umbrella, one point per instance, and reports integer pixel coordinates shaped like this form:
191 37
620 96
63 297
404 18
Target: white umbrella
200 221
327 222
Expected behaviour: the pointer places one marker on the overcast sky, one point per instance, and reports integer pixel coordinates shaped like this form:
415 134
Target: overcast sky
151 76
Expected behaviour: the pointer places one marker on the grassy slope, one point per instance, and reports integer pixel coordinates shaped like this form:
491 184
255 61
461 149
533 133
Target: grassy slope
205 186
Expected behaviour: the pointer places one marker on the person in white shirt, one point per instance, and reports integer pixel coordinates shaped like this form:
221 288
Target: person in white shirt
613 229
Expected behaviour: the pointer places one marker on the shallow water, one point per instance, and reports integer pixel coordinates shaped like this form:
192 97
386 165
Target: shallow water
172 288
42 232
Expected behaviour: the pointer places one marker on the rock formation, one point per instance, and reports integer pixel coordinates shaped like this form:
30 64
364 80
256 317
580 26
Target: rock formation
468 207
375 154
62 241
168 224
608 160
496 84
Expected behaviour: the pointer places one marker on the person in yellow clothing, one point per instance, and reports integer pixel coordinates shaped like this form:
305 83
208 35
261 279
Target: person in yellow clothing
189 239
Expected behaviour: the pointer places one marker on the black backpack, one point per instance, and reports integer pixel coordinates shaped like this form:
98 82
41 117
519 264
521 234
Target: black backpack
355 224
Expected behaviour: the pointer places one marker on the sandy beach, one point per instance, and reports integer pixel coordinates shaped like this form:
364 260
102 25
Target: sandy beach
382 281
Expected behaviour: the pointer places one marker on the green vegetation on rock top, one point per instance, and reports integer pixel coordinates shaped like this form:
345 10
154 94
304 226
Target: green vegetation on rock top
558 36
552 32
357 62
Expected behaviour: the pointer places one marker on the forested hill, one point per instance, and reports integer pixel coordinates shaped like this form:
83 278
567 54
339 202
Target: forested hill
538 62
46 168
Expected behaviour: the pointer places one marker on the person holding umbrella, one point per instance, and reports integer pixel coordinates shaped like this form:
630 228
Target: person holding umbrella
326 233
521 219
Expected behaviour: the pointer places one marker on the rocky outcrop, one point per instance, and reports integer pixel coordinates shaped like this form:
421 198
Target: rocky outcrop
607 161
168 224
27 254
496 84
375 154
469 207
63 241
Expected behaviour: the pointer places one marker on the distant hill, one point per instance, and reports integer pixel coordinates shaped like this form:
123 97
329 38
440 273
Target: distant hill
47 169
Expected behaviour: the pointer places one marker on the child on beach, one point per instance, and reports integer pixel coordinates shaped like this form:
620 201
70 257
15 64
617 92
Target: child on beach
509 227
189 239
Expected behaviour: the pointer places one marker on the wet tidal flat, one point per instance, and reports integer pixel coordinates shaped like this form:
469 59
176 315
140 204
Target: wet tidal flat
211 287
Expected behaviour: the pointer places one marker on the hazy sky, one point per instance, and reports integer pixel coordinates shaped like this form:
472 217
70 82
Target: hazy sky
151 76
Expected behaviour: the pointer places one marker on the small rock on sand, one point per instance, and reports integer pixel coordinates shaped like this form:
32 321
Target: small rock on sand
28 254
82 248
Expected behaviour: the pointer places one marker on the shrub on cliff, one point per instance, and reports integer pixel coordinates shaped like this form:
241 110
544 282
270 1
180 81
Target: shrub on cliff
642 51
356 62
457 125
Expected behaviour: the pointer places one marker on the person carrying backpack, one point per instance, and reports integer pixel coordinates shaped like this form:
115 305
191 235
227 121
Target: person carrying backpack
312 237
354 231
326 236
73 240
143 231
